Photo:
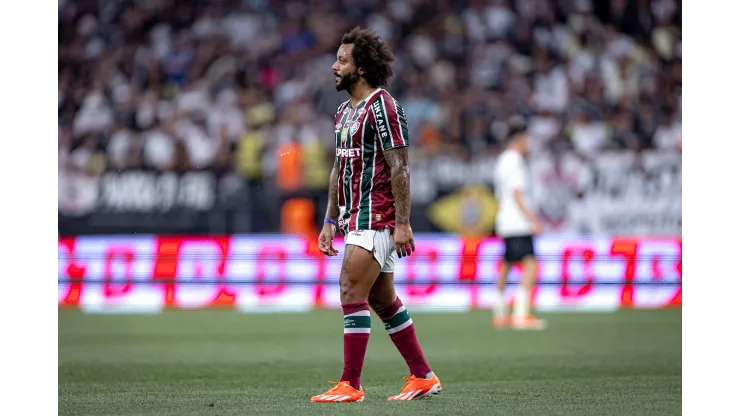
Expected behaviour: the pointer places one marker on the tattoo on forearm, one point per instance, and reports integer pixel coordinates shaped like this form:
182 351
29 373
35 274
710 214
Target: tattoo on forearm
332 209
398 159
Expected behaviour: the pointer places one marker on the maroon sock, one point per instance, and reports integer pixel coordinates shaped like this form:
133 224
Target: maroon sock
356 336
400 327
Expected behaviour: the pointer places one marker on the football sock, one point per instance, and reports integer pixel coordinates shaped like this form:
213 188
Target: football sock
356 337
499 303
400 327
521 302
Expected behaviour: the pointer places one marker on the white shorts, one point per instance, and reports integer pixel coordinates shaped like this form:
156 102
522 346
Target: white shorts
380 243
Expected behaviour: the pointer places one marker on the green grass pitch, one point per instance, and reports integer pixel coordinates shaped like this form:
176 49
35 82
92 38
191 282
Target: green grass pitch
221 362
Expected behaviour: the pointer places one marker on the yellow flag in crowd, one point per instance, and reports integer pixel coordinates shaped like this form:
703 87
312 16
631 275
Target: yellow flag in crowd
471 211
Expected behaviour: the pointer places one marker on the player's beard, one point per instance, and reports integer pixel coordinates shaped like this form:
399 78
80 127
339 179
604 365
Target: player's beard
347 81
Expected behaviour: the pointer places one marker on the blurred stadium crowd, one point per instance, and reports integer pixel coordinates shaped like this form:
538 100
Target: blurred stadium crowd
244 88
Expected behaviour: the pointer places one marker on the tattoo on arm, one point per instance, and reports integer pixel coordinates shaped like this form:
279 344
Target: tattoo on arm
332 209
398 160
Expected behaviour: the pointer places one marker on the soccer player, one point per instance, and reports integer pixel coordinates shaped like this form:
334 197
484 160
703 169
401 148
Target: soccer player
516 224
369 202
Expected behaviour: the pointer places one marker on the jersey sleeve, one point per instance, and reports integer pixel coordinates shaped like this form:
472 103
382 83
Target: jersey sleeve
390 124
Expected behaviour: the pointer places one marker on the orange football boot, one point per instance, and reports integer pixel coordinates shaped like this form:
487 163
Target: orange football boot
341 392
416 388
501 322
528 322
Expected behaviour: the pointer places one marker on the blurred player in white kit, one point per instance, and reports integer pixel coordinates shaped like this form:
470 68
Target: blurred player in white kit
516 224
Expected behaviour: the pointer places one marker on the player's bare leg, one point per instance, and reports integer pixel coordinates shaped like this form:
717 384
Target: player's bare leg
522 317
500 308
421 382
359 271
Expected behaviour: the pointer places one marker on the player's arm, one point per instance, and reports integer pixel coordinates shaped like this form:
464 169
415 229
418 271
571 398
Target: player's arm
332 209
326 238
519 198
398 160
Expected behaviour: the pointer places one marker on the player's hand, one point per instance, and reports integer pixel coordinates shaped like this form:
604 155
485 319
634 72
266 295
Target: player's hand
404 240
326 240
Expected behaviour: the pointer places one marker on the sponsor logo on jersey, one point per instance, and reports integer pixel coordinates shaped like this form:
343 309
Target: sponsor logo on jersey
349 152
382 125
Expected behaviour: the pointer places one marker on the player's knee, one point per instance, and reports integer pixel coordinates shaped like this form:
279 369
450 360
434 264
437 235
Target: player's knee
351 292
529 264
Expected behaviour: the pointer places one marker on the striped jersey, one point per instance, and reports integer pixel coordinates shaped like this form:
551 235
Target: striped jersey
362 134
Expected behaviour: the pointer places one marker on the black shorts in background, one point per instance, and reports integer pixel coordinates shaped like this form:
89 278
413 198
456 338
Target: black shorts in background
517 248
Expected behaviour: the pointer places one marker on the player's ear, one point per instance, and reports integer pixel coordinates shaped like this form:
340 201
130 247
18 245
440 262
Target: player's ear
361 71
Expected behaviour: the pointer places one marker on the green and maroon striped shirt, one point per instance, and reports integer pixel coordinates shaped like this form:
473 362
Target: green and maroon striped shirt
362 134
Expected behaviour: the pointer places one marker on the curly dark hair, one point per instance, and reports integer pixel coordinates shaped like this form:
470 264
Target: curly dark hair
372 54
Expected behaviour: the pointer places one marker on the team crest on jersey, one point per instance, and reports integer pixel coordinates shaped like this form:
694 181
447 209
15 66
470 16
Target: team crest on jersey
337 127
354 127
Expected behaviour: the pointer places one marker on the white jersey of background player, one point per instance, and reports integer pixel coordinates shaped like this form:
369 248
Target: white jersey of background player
516 224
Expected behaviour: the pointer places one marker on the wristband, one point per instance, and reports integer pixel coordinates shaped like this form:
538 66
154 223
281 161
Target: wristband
330 221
